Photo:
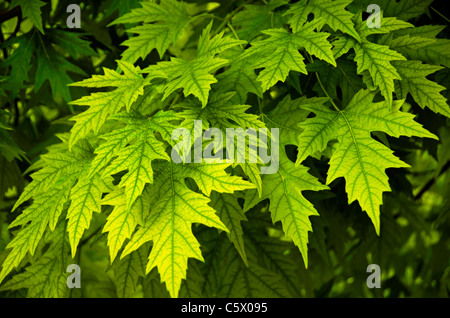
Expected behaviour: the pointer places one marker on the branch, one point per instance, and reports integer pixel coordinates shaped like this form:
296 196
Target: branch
432 181
6 15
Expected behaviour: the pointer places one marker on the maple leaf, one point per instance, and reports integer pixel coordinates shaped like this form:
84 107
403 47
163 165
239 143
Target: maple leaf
279 53
31 9
237 279
402 9
208 46
333 13
46 277
136 156
175 208
51 65
231 214
376 58
56 167
193 76
45 209
222 113
254 19
360 159
240 77
137 126
244 66
122 221
130 86
85 199
128 271
54 68
163 25
287 204
425 92
50 190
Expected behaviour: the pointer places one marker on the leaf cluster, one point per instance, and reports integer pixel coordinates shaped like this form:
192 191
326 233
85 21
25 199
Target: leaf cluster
87 117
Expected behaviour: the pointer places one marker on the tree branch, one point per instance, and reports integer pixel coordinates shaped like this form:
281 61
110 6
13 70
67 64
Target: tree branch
5 15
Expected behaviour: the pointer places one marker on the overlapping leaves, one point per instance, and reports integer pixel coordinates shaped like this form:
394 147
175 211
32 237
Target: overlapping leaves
358 158
116 159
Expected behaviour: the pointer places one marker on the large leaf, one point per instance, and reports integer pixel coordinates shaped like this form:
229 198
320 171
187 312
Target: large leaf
163 25
359 158
174 210
287 203
129 86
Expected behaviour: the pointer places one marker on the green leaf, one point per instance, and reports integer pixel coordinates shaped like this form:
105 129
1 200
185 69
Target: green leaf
57 167
333 13
222 226
217 44
128 271
231 214
287 204
254 19
175 209
122 221
130 85
193 76
45 278
425 92
137 156
137 126
163 25
31 9
44 211
53 67
373 57
212 177
286 116
86 198
72 42
376 59
402 9
239 78
279 54
221 113
360 159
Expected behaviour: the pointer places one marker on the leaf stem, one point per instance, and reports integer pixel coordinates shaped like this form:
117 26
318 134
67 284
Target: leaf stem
440 14
203 15
225 21
234 33
321 85
175 100
326 93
